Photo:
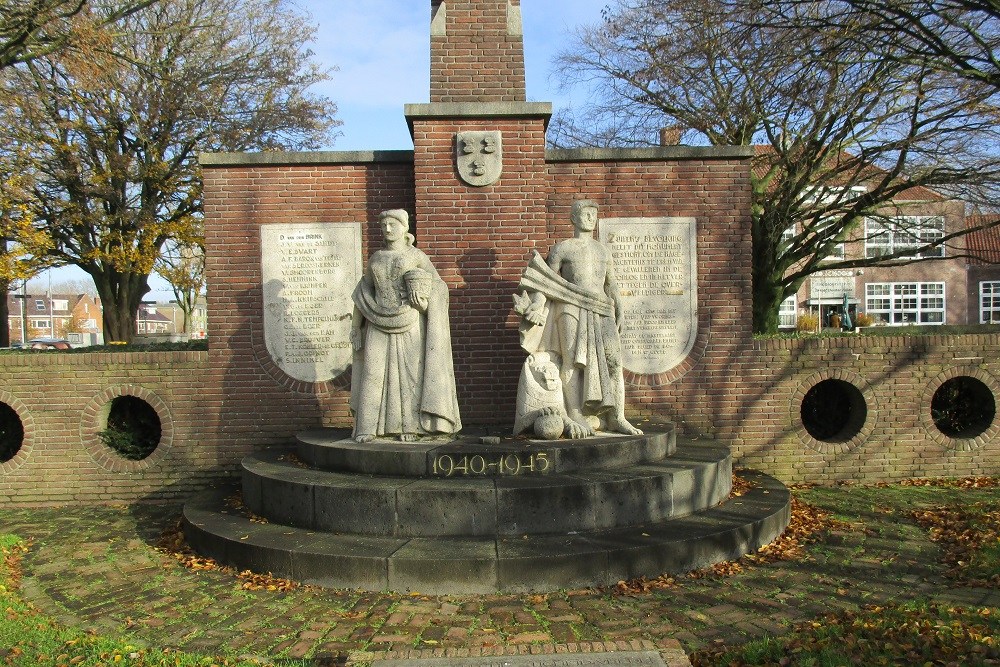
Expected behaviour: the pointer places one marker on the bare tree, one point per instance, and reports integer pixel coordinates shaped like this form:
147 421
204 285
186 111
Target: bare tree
112 141
827 113
961 37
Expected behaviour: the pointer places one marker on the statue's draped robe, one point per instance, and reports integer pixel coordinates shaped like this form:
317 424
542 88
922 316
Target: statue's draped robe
596 342
403 379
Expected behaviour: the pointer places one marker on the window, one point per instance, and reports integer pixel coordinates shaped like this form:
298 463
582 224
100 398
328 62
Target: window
897 304
989 302
40 324
787 313
788 235
60 304
907 232
831 194
40 304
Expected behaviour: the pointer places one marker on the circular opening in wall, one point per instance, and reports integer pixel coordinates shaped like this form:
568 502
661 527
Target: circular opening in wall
963 407
833 411
133 428
11 433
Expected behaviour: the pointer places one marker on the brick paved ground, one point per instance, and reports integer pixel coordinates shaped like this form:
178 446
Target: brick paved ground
97 568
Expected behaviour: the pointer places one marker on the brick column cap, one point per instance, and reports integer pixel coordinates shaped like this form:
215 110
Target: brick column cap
439 110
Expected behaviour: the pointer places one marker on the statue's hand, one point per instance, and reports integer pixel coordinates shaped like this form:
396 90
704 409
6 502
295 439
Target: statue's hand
357 340
419 301
535 315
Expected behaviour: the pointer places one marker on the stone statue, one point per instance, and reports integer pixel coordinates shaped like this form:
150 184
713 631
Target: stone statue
571 309
541 405
403 381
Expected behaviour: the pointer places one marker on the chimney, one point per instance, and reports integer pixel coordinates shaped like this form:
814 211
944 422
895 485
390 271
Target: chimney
671 136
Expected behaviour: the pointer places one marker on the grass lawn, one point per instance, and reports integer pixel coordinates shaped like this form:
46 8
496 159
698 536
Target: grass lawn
30 638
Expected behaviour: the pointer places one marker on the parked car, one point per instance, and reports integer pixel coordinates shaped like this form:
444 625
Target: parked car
49 344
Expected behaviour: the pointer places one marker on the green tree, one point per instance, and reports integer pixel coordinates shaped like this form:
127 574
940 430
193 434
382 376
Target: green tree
827 112
182 264
112 140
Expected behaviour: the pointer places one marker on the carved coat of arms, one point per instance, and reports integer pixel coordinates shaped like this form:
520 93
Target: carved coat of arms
479 157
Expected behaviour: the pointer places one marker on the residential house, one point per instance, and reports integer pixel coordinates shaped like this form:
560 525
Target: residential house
150 321
53 316
199 319
983 292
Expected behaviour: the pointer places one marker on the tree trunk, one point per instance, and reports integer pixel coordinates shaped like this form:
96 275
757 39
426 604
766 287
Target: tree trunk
121 295
767 289
767 300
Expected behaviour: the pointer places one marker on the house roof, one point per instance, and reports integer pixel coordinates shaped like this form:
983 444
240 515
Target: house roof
14 301
152 316
762 162
983 243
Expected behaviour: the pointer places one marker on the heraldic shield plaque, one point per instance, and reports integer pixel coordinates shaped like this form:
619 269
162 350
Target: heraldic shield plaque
479 157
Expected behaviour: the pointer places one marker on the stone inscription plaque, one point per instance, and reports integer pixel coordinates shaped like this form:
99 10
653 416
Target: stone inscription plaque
622 659
655 263
309 271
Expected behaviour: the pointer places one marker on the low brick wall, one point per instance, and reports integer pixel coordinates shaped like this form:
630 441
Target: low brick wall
60 397
62 400
896 376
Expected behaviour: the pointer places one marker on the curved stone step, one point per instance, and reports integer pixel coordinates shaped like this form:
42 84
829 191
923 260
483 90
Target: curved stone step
279 488
468 456
483 564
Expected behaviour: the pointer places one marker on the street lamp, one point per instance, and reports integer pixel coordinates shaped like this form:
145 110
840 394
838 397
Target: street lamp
23 296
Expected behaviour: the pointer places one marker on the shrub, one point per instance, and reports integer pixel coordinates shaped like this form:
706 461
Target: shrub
807 324
133 428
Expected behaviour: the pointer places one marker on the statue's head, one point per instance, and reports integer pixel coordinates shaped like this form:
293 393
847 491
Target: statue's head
545 371
584 214
395 224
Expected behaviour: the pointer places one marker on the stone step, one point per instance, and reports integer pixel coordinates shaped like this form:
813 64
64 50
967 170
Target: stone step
277 487
468 456
488 564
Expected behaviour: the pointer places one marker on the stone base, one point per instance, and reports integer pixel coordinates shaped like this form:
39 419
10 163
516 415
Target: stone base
455 518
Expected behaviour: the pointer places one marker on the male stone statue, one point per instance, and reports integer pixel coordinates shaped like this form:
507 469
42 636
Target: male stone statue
572 310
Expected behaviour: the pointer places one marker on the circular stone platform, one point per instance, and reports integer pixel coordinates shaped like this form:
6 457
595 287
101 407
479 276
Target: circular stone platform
485 514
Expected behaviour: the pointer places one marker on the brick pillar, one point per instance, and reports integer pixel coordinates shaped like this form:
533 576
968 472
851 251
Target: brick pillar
480 239
477 51
480 236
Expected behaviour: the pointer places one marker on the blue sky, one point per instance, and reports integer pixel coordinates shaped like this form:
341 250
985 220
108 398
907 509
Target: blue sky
382 50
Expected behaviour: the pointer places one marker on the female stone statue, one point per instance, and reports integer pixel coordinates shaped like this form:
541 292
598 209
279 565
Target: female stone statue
403 381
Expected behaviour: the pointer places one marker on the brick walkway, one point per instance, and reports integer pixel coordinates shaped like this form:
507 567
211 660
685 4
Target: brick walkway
97 568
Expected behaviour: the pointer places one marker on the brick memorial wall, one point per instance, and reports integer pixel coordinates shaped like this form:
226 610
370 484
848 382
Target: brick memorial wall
286 234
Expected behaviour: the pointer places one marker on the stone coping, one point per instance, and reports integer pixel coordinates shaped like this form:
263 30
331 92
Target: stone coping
655 153
478 110
275 158
291 158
